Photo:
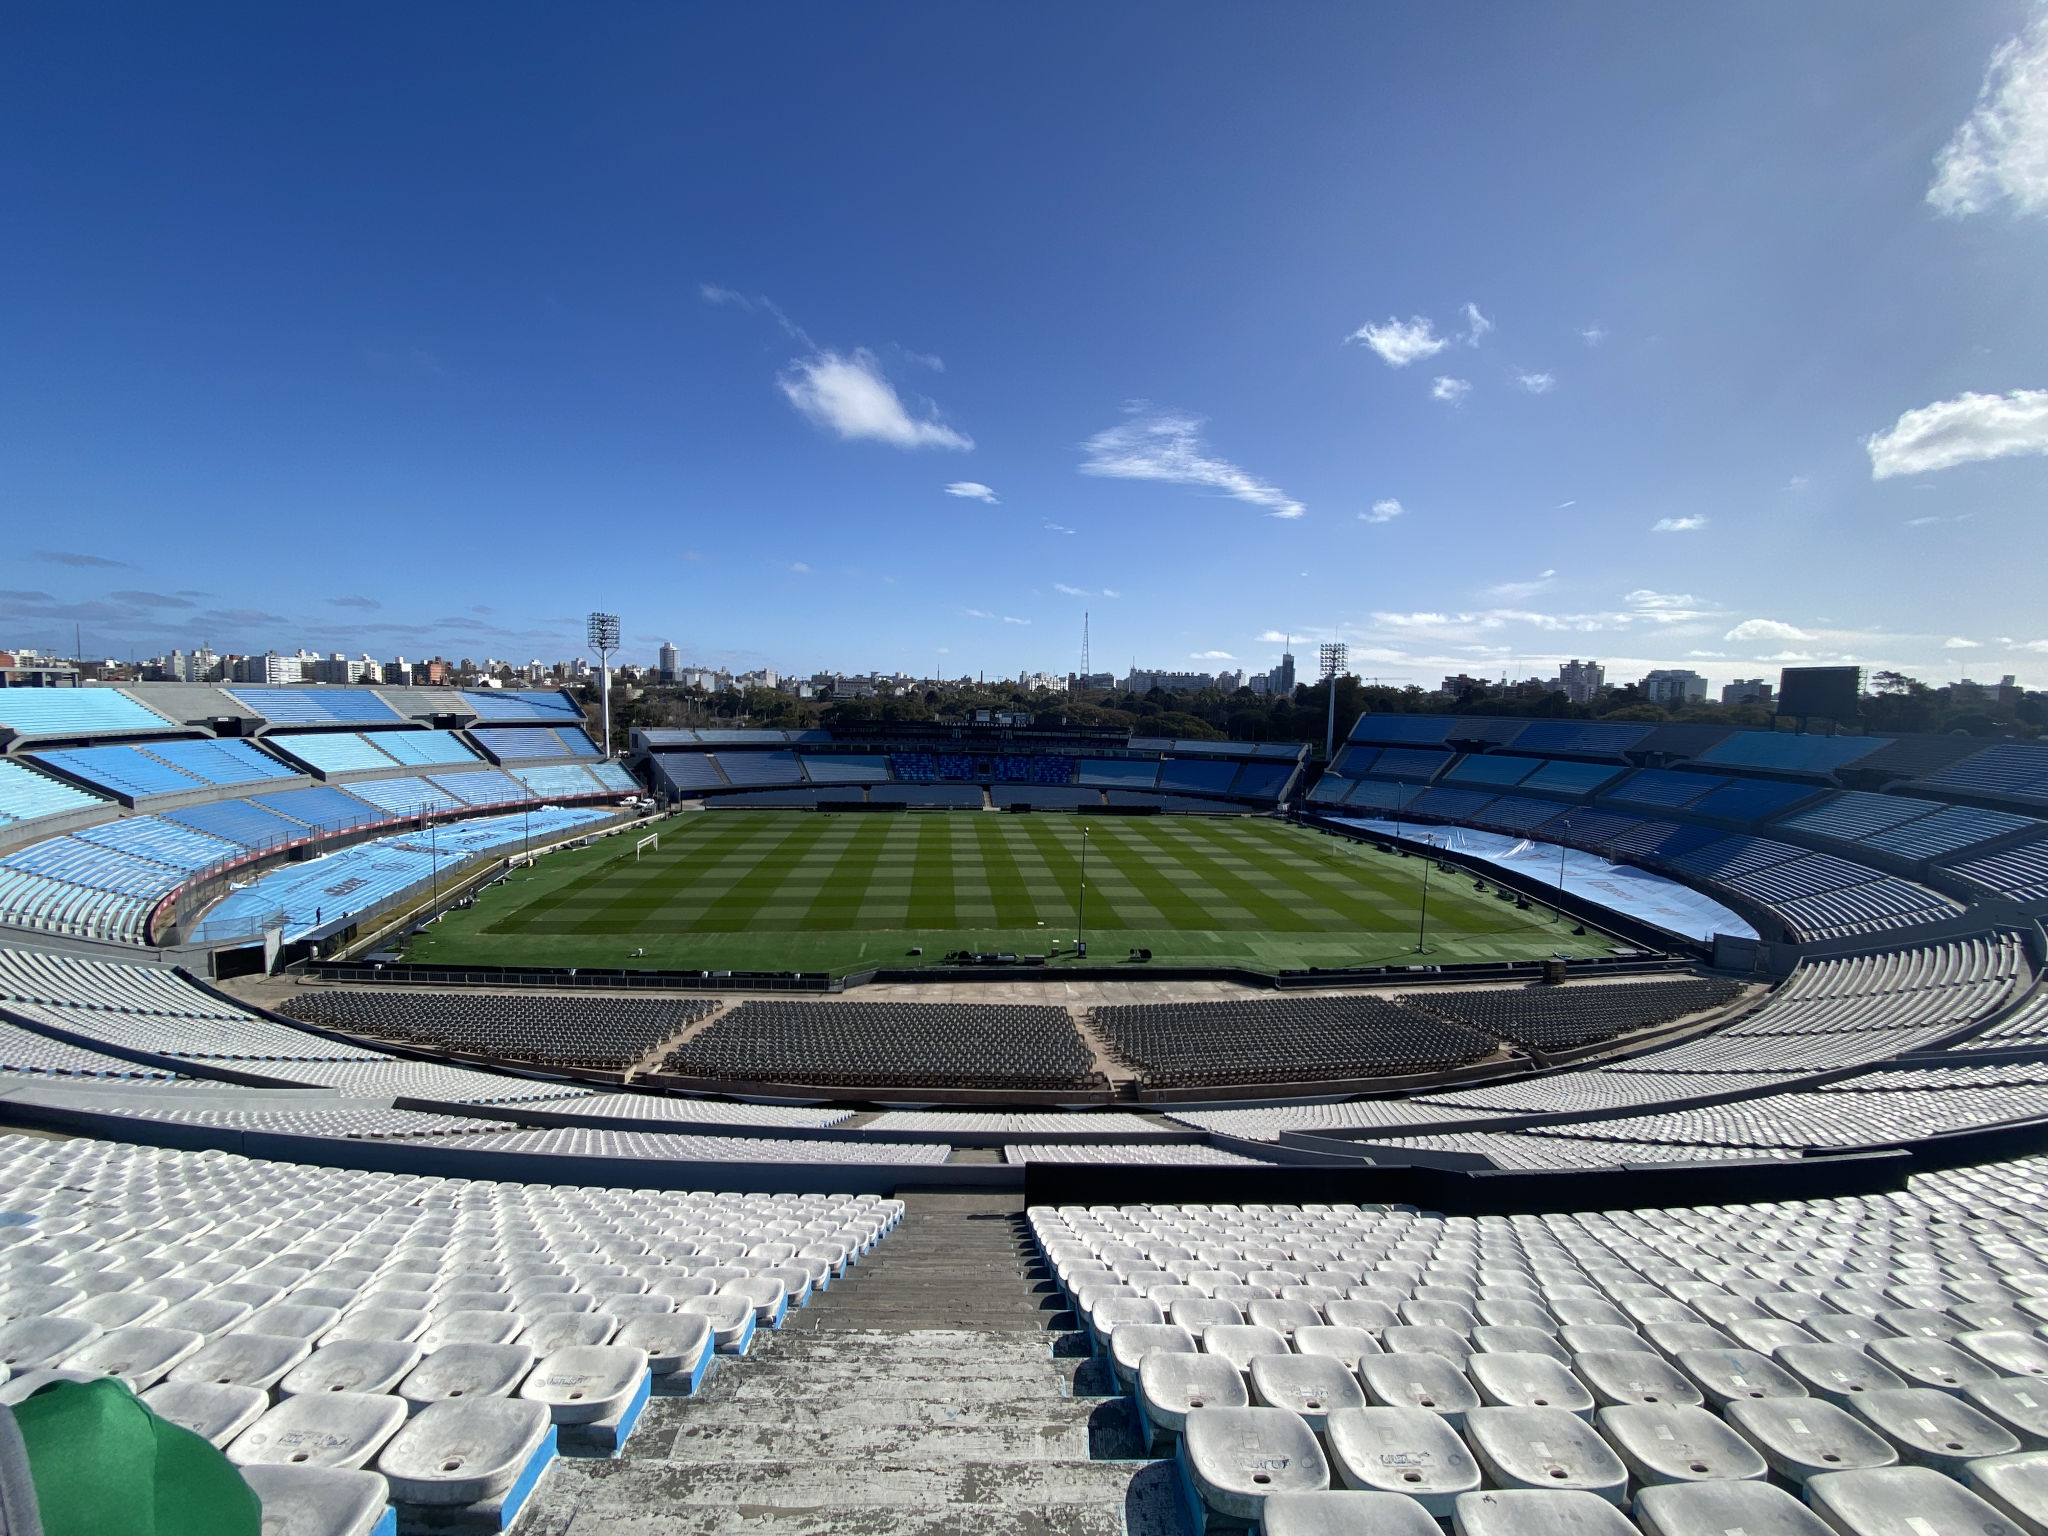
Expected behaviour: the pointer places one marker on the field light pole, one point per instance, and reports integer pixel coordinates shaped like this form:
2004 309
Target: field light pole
1333 658
603 635
1557 912
1081 906
1422 922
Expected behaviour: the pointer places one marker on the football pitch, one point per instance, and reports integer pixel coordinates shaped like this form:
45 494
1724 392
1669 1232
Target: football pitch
809 891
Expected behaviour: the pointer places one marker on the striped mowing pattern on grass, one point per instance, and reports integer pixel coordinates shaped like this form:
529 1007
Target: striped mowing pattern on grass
742 872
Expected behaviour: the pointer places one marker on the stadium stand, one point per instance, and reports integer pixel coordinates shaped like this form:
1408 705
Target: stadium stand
760 770
1854 815
1663 788
65 713
890 1044
329 753
241 821
421 749
1782 752
1948 831
316 706
330 892
1402 730
2009 771
564 781
1195 777
685 772
845 768
548 707
405 797
2019 873
1568 1018
1557 777
482 786
1053 797
220 762
1488 771
1450 804
513 744
26 795
323 810
128 772
807 797
608 1032
1753 801
1295 1039
1410 765
934 796
1116 773
1573 738
1263 781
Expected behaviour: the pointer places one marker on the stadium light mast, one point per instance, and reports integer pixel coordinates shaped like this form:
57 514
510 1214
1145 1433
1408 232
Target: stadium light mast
603 634
1081 905
1334 656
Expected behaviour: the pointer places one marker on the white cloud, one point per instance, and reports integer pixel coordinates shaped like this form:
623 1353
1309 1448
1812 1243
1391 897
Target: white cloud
1400 343
1563 504
1383 511
977 613
2032 645
847 394
1766 629
1593 334
1007 619
971 490
1536 383
1450 390
1476 325
1210 656
1514 591
1057 528
711 293
1961 431
1788 656
1664 607
1167 445
1958 643
801 568
2000 153
1707 655
1678 525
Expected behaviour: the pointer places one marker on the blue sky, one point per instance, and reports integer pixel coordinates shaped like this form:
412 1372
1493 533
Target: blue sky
899 337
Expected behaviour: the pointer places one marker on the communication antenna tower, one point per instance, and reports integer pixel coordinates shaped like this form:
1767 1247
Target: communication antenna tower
603 635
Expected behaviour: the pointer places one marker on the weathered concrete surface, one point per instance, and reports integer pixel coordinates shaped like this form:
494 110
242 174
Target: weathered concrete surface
936 1389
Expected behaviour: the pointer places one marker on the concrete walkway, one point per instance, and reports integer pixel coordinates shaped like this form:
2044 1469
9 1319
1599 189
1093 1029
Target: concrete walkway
936 1389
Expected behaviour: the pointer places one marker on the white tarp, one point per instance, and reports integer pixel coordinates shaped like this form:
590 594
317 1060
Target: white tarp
1622 888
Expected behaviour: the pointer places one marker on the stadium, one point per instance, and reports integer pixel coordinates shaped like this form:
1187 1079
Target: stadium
675 1041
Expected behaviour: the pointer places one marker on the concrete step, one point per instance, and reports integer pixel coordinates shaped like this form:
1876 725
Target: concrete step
666 1487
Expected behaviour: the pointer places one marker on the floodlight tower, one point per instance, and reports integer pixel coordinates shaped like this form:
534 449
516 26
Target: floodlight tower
1334 656
603 634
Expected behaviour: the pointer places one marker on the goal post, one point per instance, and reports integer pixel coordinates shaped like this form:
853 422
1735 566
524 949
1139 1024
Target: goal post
651 840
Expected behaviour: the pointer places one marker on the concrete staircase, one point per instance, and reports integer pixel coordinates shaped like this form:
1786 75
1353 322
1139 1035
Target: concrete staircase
937 1388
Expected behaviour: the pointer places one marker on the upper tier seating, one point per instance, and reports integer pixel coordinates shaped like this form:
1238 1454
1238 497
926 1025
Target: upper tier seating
322 809
760 770
689 770
2008 770
240 821
334 752
220 762
126 771
1563 778
914 767
482 786
1262 781
1662 787
1854 815
1410 765
405 797
1496 772
316 706
2018 873
1402 730
1285 1040
513 744
1782 752
1116 773
26 795
1046 769
845 768
606 1032
1580 738
421 749
911 1044
564 781
545 706
1752 800
36 712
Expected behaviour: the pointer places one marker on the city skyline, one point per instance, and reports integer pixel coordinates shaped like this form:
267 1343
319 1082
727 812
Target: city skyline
1476 339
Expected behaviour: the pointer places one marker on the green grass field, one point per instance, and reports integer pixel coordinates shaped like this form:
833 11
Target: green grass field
786 890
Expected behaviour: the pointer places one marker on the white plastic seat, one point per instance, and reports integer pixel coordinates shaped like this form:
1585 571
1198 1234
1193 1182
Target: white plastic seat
586 1382
1838 1372
28 1343
1424 1339
635 1304
1418 1381
1932 1363
2015 1485
1803 1437
214 1413
1545 1448
2017 1402
1514 1339
1349 1345
672 1341
1312 1386
1538 1512
551 1331
1933 1429
1345 1512
1131 1342
117 1309
1677 1443
461 1371
1738 1375
241 1360
1587 1338
332 1429
468 1327
318 1501
1373 1316
284 1321
1407 1451
1528 1381
1236 1457
1900 1501
139 1356
463 1452
1633 1376
2007 1351
351 1365
1716 1508
729 1315
767 1297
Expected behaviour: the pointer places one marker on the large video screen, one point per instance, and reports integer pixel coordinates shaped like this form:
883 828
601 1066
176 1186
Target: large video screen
1831 692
